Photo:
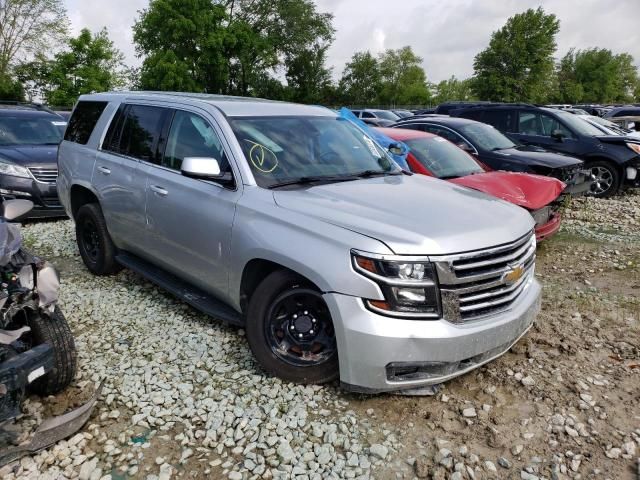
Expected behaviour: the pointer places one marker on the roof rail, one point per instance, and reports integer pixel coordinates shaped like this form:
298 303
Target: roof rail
35 106
500 104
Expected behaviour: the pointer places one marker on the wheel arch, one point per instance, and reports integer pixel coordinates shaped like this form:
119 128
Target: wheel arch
255 271
80 195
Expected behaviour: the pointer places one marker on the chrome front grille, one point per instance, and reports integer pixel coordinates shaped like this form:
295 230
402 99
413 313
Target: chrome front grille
45 175
487 281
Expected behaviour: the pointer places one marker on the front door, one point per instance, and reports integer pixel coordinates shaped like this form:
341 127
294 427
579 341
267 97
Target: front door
189 220
536 128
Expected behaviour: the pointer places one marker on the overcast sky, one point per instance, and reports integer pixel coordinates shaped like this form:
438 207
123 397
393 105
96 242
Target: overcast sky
447 34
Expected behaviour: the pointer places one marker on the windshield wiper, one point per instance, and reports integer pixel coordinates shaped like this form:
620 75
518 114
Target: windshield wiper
375 173
312 179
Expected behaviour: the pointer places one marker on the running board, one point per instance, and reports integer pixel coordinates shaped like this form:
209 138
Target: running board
195 297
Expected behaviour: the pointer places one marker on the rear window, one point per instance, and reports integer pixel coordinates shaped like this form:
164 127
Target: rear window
83 121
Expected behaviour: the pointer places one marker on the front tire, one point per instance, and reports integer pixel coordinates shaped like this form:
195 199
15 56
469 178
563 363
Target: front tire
96 247
607 179
54 330
290 331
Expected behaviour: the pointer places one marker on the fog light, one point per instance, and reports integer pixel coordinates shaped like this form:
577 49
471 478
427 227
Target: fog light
632 173
410 294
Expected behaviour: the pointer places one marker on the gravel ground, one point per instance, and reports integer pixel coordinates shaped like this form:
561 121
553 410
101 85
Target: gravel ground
183 397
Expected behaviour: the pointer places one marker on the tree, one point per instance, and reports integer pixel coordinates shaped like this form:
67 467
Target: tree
90 63
403 81
28 27
453 89
597 75
308 78
518 64
231 46
11 89
361 81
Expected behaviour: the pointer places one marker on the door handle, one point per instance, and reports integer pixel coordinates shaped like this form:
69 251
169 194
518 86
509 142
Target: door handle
104 170
159 190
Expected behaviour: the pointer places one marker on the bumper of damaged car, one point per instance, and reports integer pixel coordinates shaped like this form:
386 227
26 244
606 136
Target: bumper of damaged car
383 354
17 373
549 228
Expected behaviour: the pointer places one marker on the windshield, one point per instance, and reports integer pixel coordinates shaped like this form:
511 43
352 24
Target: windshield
442 158
486 137
386 115
23 130
284 149
578 124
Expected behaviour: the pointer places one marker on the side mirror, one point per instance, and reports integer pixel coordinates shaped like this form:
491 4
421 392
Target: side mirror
396 149
16 208
557 135
201 167
466 147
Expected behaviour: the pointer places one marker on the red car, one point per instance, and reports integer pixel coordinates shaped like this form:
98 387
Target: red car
434 156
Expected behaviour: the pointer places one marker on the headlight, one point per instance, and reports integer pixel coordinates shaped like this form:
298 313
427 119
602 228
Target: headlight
635 147
8 168
409 287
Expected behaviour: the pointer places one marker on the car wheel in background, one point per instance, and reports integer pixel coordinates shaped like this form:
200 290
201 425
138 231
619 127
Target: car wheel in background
606 179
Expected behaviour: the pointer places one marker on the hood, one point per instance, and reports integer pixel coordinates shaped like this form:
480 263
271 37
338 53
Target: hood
525 190
414 215
537 156
31 155
618 139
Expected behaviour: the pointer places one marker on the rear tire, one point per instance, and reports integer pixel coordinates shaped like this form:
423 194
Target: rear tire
282 297
607 181
94 242
54 330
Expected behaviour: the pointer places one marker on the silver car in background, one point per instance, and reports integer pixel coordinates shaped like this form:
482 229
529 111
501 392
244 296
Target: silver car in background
291 222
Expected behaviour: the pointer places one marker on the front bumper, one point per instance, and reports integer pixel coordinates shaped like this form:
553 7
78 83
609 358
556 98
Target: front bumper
548 229
374 350
43 195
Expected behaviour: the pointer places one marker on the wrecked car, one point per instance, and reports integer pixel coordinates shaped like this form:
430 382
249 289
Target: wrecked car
291 222
437 157
498 152
37 350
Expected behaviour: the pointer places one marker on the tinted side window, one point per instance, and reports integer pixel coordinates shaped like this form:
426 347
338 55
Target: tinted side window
112 139
444 133
535 123
192 136
83 120
141 132
501 119
368 115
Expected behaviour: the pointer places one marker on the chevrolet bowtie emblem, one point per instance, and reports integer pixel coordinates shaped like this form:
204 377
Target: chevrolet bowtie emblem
514 275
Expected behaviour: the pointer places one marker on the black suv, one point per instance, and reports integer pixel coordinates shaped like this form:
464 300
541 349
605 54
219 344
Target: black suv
612 159
498 152
29 138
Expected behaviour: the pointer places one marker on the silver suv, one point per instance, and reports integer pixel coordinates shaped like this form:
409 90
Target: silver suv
290 221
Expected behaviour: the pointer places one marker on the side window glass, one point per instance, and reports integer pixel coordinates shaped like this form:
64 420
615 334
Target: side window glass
444 133
529 124
141 132
83 120
500 119
112 139
368 115
550 124
192 136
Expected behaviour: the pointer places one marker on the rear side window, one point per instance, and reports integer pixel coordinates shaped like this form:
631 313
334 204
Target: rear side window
141 132
501 119
112 139
83 121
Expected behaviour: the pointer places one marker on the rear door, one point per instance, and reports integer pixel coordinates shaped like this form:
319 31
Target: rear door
133 136
189 220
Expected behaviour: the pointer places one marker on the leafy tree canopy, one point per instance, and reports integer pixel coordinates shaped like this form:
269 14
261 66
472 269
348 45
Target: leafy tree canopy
518 64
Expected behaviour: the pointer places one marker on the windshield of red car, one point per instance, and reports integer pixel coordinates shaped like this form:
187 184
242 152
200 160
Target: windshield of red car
442 158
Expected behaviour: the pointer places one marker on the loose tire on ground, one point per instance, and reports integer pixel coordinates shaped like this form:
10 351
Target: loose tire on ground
54 330
261 304
96 247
